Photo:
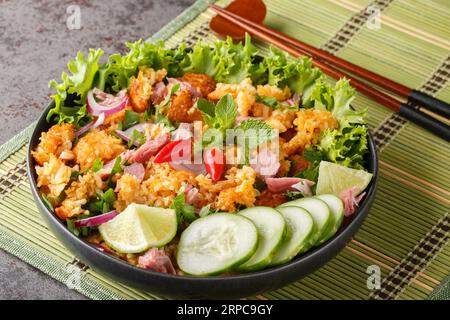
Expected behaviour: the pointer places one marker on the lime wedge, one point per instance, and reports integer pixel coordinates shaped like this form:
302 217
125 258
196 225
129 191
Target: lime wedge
334 178
139 227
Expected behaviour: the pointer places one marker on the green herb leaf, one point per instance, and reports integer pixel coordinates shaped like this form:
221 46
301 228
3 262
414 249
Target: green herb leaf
226 112
268 101
72 228
263 132
102 203
117 166
97 165
138 137
131 118
185 212
206 210
314 156
160 118
293 195
47 202
206 107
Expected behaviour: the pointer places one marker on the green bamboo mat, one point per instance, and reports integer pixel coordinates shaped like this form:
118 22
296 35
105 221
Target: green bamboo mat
406 233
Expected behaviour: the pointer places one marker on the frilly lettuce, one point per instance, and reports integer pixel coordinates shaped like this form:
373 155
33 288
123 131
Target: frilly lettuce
346 146
226 61
297 74
76 85
337 99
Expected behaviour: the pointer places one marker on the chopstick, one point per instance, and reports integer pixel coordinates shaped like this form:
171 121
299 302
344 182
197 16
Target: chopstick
407 110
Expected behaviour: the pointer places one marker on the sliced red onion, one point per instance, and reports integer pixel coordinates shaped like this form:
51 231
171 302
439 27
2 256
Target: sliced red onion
304 187
108 106
137 170
95 221
125 137
140 127
279 185
92 125
127 134
186 86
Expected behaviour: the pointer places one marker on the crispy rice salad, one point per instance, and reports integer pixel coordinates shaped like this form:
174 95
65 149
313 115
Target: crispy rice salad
201 161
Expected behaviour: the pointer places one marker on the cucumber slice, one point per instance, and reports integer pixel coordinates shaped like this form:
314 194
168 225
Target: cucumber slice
301 229
337 210
320 213
271 228
216 243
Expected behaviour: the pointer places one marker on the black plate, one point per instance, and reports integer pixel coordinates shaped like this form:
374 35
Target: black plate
202 287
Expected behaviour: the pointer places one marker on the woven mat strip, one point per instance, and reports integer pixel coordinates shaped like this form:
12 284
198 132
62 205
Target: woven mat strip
345 276
344 35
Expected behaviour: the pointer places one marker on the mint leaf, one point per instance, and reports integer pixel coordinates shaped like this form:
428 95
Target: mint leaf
226 112
262 131
206 107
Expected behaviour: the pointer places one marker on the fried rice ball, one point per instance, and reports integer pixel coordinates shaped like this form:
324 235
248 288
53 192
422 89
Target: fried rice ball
78 194
273 92
227 194
182 108
55 141
140 89
54 175
244 95
202 82
309 123
97 144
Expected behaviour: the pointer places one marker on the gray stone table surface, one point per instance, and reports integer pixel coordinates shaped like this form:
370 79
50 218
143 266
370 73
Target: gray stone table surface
35 45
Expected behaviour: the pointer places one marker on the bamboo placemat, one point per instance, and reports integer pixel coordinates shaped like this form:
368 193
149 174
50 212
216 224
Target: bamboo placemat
406 233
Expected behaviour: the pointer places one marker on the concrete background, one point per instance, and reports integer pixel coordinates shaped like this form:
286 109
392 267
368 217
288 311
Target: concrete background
35 45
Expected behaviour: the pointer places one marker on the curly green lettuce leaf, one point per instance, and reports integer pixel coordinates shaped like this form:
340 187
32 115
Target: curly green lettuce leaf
120 68
346 146
297 74
226 61
337 100
76 84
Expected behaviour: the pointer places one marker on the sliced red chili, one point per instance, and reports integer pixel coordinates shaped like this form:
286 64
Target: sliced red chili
166 154
214 163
